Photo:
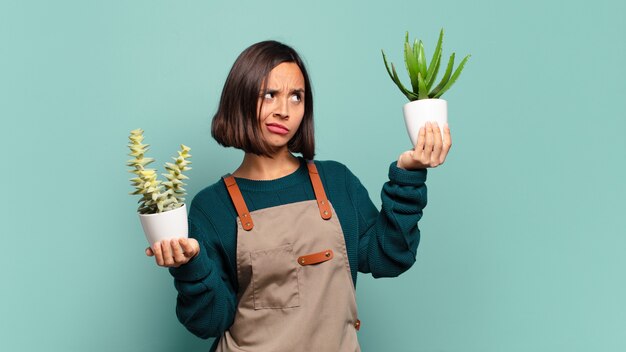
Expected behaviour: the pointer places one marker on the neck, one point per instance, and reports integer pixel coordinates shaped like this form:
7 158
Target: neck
259 167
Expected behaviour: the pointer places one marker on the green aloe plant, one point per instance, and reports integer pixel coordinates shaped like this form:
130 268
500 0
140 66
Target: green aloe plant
157 196
423 74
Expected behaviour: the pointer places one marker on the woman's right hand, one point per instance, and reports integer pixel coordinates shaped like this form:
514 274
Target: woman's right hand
175 252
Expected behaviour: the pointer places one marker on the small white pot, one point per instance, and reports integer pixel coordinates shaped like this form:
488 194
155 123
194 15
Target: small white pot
418 112
166 225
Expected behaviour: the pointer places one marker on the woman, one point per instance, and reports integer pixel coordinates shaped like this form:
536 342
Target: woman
274 249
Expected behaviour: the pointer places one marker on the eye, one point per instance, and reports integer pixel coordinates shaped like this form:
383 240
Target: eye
296 98
268 96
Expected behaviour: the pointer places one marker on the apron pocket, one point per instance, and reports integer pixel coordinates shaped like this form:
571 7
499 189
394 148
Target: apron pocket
275 278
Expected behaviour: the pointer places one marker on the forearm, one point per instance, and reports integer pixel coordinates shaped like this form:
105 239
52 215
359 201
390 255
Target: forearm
206 301
389 238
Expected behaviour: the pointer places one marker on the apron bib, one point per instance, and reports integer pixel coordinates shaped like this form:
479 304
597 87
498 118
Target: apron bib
295 287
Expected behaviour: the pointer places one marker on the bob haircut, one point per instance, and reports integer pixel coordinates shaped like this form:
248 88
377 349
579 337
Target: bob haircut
236 122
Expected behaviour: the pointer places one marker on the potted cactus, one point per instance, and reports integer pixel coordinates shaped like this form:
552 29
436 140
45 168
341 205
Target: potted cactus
162 210
425 103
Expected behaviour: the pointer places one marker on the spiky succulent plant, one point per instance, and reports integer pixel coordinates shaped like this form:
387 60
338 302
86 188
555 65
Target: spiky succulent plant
157 196
421 73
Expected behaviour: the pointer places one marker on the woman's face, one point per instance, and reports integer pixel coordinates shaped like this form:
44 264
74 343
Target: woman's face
282 105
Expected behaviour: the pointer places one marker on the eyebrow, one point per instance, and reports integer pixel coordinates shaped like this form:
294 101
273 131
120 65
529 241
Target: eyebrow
273 91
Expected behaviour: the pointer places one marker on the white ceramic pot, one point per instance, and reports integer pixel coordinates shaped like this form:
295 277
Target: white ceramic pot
166 225
418 112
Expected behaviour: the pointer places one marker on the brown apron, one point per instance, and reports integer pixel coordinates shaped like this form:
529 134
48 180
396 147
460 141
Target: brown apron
295 288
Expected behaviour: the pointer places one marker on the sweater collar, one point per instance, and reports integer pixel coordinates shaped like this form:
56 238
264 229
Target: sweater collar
296 177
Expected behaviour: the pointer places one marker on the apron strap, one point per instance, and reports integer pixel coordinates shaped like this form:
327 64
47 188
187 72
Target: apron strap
318 188
242 210
240 204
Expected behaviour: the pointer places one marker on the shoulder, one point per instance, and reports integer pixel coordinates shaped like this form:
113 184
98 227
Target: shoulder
210 205
337 175
331 166
336 169
209 195
342 187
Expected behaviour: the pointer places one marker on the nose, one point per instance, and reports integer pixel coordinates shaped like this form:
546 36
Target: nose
282 108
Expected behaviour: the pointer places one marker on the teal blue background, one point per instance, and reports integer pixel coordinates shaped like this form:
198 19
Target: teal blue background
523 238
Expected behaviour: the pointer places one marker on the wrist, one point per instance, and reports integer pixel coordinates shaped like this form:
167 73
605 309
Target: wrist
401 165
403 176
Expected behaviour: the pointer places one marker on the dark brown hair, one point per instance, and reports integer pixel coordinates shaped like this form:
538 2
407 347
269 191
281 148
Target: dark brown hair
236 124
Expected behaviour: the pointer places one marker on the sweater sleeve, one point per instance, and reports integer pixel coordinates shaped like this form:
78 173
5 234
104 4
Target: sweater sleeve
206 301
388 238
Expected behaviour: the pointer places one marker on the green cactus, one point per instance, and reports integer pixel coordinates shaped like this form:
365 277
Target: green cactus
156 196
421 73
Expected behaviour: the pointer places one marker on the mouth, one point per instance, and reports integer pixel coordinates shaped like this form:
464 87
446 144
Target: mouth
277 128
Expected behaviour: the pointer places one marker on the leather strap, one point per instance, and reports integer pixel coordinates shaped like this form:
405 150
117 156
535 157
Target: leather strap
316 258
242 210
318 188
240 204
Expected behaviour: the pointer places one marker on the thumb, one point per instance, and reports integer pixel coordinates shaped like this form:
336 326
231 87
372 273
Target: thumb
149 252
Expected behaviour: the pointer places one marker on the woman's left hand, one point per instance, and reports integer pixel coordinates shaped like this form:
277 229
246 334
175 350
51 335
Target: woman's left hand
430 151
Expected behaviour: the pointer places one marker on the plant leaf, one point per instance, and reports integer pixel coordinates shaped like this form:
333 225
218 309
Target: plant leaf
445 78
431 79
456 74
412 66
421 61
410 95
142 162
396 80
386 65
423 92
433 68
